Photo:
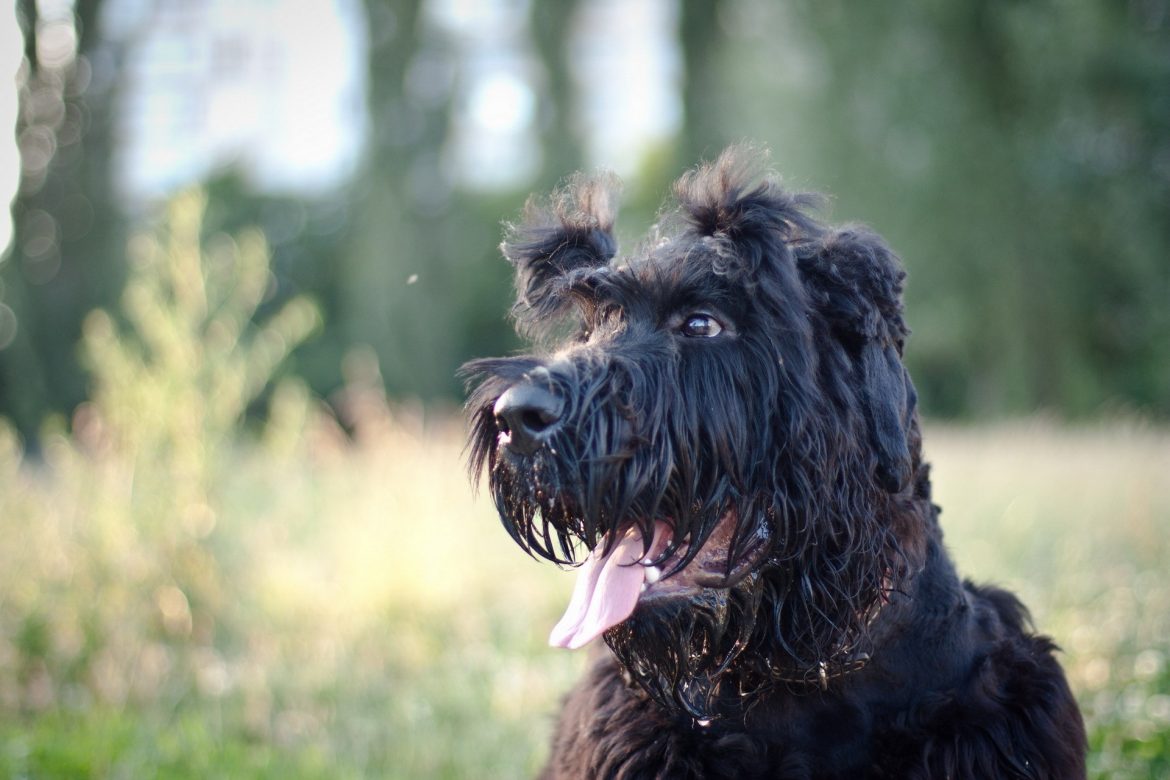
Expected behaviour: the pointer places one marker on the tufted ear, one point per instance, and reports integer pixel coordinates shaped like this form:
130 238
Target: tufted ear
735 200
573 231
855 281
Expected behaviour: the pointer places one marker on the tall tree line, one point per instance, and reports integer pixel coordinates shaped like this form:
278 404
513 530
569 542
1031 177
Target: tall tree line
1016 155
65 257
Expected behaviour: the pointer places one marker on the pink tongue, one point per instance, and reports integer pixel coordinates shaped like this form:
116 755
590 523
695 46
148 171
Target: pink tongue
607 589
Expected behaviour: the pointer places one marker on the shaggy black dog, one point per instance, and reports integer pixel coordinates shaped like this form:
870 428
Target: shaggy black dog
721 427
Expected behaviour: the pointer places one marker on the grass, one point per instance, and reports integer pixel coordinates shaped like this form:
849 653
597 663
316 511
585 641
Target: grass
377 622
1078 522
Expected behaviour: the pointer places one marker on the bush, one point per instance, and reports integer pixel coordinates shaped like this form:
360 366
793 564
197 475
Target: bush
123 595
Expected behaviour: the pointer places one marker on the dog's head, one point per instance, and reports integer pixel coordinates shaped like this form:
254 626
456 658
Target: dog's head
719 425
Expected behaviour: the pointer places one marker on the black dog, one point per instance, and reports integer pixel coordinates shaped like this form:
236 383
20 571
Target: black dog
726 432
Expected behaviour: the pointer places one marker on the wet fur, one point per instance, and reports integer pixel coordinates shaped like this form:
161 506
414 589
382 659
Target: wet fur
851 650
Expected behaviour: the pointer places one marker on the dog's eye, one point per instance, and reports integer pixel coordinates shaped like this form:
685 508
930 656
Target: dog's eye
700 325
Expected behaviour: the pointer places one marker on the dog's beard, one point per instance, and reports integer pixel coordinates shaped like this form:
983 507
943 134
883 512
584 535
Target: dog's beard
537 512
619 463
681 650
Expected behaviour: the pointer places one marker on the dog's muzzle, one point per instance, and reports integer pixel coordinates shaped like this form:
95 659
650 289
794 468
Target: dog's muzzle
527 416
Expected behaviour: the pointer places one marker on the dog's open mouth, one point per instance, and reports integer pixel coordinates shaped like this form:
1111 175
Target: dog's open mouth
618 576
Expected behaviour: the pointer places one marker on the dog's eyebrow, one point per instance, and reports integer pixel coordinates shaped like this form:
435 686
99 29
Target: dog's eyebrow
603 285
716 292
679 286
653 286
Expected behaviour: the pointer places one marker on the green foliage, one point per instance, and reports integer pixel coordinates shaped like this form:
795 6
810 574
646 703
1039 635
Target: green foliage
126 511
1015 154
66 254
195 360
101 743
419 278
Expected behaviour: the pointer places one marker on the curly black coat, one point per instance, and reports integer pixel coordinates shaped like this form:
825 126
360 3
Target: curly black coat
738 382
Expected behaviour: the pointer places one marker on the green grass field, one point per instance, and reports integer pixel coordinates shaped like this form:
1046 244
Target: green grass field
327 609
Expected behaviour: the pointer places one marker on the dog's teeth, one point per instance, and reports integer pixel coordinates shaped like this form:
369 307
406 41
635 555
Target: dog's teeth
653 574
643 588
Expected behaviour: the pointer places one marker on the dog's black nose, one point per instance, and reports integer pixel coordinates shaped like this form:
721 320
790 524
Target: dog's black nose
528 415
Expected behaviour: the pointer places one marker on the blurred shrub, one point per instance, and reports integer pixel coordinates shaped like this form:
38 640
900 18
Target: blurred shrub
121 593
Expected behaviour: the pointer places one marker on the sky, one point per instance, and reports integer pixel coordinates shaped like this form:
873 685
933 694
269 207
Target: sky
11 54
276 89
627 75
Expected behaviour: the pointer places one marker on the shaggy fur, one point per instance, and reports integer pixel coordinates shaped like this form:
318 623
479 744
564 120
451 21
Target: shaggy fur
738 381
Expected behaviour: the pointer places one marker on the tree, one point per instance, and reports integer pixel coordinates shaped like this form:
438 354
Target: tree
420 282
552 25
705 130
65 254
1017 160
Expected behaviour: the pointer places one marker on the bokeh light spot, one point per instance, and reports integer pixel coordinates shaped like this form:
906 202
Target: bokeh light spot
502 103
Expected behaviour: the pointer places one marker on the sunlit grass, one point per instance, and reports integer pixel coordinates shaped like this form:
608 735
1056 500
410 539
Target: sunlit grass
1078 522
378 622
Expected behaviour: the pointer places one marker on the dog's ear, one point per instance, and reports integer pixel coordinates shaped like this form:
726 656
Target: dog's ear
735 200
855 281
571 232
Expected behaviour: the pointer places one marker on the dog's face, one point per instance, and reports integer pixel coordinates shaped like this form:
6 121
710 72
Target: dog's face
718 432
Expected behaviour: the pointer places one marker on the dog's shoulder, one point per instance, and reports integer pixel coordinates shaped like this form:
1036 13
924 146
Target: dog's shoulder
1010 713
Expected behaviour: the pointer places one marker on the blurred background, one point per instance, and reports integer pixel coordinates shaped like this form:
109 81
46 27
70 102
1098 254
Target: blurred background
250 242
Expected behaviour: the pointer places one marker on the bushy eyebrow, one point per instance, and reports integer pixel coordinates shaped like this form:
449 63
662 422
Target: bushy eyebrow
605 287
704 297
693 280
656 287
